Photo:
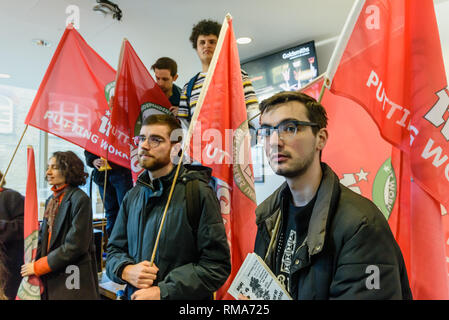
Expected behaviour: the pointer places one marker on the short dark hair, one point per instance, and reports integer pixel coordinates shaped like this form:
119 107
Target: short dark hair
165 119
315 111
71 167
204 28
166 63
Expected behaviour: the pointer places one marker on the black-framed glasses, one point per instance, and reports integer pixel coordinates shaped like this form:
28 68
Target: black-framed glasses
285 129
153 141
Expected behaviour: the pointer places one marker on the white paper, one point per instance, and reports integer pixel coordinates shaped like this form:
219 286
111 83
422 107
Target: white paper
256 281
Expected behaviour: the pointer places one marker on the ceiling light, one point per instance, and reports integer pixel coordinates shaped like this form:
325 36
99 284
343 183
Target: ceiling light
5 76
244 40
107 7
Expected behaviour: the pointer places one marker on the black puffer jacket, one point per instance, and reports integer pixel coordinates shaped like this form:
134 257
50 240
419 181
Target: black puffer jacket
188 268
11 237
348 240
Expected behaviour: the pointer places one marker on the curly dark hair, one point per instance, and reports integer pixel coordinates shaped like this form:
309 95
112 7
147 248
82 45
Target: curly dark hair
72 168
204 28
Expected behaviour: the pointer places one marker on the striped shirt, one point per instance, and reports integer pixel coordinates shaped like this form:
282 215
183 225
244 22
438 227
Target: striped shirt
187 107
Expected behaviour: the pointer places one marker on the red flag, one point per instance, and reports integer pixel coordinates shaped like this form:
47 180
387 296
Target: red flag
72 100
370 166
357 153
30 288
221 141
137 96
404 91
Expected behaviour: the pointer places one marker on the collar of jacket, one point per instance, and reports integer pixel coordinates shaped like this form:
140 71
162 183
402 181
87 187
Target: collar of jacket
325 205
156 184
62 212
186 173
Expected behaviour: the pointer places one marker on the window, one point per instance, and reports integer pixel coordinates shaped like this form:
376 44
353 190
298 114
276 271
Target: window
14 106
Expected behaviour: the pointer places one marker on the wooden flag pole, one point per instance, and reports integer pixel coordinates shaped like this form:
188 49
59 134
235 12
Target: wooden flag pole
342 42
172 188
323 87
13 155
199 105
111 106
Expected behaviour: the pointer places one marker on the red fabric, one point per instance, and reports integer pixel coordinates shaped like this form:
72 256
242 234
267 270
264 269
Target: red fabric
392 67
31 223
228 155
72 100
31 229
136 93
421 235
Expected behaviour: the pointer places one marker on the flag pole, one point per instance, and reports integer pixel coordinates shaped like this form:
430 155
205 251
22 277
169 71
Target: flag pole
111 106
13 155
343 41
193 122
341 46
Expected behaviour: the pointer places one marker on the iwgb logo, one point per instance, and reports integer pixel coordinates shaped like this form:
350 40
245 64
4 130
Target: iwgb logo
385 188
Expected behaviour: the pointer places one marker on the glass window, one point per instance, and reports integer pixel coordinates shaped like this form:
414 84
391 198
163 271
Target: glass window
14 106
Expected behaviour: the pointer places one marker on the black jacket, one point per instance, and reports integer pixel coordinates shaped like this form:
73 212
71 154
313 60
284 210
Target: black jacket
348 237
71 244
11 238
188 268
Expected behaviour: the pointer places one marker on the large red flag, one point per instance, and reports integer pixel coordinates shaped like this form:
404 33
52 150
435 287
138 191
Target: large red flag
221 141
357 152
370 166
30 288
72 100
137 96
392 67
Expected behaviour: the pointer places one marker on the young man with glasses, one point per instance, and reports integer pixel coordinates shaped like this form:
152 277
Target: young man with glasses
188 264
320 239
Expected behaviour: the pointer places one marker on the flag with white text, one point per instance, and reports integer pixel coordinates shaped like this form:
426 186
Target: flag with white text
392 67
221 141
137 96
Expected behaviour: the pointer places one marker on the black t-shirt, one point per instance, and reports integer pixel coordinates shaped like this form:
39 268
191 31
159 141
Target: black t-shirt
294 232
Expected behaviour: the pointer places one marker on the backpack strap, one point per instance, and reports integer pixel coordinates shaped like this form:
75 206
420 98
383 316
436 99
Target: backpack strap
190 88
193 203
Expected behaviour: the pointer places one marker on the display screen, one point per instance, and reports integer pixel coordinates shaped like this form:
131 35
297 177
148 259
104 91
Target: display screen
286 70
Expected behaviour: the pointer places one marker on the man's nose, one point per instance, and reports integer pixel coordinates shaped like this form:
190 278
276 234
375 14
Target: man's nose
145 144
274 138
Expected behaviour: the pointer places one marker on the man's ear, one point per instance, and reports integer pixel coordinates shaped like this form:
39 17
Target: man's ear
175 77
322 137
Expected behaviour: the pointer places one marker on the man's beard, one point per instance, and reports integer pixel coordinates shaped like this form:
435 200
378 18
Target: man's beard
153 164
298 168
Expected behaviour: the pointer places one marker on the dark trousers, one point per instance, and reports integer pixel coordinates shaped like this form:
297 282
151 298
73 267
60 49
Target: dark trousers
117 185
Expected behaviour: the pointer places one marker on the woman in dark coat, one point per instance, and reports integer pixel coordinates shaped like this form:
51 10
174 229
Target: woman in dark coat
11 238
65 260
